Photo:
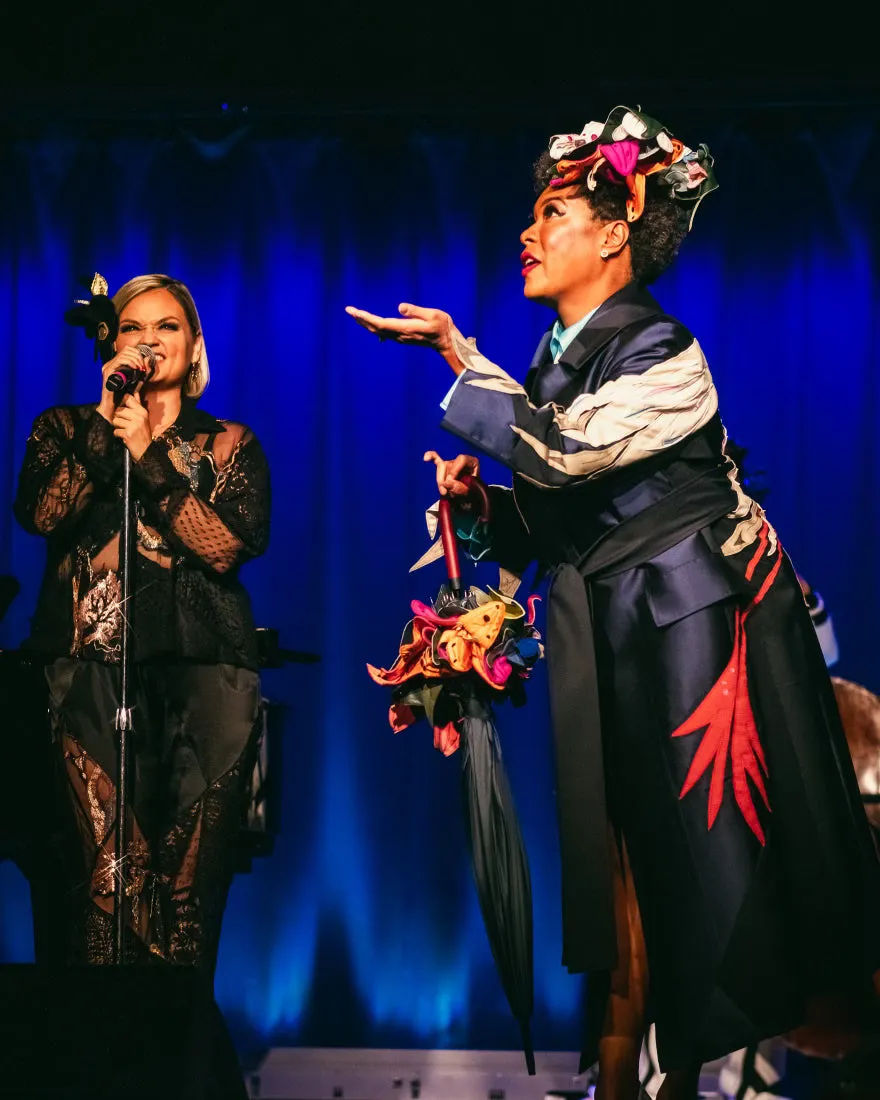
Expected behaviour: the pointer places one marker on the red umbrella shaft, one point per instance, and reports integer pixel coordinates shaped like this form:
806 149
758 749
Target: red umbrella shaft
447 528
450 545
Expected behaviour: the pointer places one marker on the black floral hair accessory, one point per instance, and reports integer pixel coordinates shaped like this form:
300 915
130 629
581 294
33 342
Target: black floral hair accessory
97 316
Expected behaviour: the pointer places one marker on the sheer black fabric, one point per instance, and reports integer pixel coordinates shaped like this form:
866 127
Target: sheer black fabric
202 492
196 729
202 500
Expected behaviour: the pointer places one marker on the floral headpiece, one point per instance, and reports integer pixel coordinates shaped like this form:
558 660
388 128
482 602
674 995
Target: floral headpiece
97 316
627 148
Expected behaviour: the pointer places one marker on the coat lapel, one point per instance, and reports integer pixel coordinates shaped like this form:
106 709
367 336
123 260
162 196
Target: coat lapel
547 380
539 361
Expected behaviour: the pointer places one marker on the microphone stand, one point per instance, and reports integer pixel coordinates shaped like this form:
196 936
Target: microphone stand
124 724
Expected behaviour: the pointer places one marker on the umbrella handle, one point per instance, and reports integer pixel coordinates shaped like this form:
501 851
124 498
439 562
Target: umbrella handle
447 529
478 491
450 546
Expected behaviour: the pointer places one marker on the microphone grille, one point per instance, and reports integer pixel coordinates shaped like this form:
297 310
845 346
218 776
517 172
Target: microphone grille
146 352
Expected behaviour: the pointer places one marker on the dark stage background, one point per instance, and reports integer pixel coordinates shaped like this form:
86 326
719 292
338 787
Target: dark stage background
362 928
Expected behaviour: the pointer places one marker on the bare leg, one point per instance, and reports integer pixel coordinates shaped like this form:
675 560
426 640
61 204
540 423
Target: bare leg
624 1025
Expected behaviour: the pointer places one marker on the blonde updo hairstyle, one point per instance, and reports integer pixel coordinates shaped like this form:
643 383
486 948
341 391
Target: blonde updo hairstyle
198 376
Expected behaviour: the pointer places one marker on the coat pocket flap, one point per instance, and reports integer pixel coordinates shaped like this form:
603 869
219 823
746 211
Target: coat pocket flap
685 579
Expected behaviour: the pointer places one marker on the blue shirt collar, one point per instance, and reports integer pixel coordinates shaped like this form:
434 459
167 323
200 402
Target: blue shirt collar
560 337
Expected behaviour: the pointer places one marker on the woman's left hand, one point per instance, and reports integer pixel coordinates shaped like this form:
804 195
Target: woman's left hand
131 424
416 325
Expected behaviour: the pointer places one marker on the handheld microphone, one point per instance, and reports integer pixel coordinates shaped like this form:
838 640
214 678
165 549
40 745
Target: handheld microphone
124 379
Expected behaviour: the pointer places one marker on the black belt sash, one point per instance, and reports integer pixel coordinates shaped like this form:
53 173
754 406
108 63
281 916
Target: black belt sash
588 928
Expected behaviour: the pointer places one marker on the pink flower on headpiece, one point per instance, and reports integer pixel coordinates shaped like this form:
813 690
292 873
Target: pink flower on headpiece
696 174
622 156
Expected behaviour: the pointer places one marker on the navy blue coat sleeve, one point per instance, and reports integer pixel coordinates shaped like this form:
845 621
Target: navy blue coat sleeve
654 389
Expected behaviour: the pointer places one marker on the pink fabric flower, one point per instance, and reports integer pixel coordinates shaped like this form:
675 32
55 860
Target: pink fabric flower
696 174
622 156
500 670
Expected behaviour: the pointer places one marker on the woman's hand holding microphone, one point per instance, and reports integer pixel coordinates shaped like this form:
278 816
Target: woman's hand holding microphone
130 419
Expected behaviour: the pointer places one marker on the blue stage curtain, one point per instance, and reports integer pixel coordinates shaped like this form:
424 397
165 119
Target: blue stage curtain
362 928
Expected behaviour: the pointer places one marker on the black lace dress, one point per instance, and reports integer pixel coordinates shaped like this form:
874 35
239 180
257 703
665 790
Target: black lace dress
202 491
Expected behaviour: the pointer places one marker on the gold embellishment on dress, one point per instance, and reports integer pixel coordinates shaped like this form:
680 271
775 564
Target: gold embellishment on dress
104 874
172 910
99 818
135 870
185 457
148 540
96 810
99 812
222 472
100 614
97 616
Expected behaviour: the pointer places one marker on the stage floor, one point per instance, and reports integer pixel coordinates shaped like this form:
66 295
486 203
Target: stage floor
289 1073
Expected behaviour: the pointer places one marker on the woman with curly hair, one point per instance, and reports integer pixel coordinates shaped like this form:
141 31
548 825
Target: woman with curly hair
717 870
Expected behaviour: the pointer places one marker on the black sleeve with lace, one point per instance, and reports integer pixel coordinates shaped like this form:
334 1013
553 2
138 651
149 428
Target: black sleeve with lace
221 534
70 452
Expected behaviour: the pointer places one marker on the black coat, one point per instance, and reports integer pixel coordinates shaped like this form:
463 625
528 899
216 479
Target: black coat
708 678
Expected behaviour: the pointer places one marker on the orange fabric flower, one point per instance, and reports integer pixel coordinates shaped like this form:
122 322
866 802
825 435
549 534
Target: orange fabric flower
462 645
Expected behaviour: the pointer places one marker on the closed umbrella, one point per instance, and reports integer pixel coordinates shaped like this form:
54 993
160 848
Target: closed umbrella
458 656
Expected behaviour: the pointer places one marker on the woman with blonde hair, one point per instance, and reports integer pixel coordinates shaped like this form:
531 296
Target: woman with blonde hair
201 487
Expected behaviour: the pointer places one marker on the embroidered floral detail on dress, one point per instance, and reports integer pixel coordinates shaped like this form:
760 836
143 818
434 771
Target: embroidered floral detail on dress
97 617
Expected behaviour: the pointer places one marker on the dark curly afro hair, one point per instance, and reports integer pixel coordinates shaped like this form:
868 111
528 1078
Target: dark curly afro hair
655 237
